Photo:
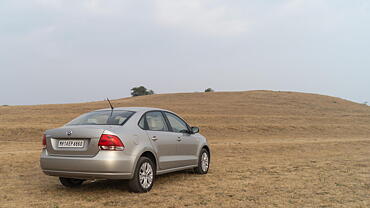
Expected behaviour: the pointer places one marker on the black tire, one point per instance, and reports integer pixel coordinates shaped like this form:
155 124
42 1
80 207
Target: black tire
71 182
135 184
199 169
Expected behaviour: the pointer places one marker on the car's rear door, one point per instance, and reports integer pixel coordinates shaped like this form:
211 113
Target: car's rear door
187 144
162 140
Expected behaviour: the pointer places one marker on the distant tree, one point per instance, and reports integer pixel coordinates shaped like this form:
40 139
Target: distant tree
365 102
139 91
209 90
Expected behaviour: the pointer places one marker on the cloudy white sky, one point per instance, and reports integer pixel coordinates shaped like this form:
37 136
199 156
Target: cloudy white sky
55 51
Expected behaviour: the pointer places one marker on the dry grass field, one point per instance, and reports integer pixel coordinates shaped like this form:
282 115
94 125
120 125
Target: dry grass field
269 149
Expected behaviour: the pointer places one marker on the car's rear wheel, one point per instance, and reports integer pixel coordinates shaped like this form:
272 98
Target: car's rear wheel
144 176
203 162
70 182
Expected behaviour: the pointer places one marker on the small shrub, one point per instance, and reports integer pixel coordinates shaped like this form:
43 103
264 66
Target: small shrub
209 90
139 91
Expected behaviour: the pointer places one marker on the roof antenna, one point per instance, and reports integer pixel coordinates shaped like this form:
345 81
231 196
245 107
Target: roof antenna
110 104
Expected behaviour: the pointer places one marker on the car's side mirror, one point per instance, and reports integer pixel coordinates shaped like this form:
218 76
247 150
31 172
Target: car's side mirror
195 129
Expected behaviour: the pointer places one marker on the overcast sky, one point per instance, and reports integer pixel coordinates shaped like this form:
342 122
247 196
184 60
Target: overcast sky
54 51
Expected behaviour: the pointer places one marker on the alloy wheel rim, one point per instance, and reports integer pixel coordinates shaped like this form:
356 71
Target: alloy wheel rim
146 175
204 162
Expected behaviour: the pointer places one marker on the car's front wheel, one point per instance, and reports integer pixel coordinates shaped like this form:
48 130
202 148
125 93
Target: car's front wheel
203 162
144 175
70 182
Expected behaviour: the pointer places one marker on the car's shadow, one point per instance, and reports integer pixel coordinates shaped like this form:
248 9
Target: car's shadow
122 185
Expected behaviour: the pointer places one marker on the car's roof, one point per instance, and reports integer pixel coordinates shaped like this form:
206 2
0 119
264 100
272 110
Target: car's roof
136 109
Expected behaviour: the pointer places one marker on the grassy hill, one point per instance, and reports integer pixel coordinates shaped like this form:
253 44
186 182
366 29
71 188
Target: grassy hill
245 115
269 149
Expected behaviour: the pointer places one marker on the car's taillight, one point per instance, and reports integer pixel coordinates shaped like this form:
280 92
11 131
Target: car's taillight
44 142
110 142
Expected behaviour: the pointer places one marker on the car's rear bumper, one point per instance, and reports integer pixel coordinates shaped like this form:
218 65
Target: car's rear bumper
88 175
104 165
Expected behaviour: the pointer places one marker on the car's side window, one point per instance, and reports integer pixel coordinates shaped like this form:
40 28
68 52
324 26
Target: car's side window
142 123
156 121
177 124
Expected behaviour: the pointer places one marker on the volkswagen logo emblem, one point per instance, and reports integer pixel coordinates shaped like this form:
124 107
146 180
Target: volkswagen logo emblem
69 132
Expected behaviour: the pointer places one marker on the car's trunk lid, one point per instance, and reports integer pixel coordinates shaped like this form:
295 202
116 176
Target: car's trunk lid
77 140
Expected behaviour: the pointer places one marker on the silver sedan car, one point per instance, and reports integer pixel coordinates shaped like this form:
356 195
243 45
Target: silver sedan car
132 143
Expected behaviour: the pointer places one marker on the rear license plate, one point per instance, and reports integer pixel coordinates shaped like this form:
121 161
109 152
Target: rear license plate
71 143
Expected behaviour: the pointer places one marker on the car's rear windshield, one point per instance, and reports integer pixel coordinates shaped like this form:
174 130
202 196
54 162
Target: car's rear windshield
106 117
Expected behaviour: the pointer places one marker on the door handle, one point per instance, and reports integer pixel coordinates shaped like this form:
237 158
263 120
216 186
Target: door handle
154 138
179 139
